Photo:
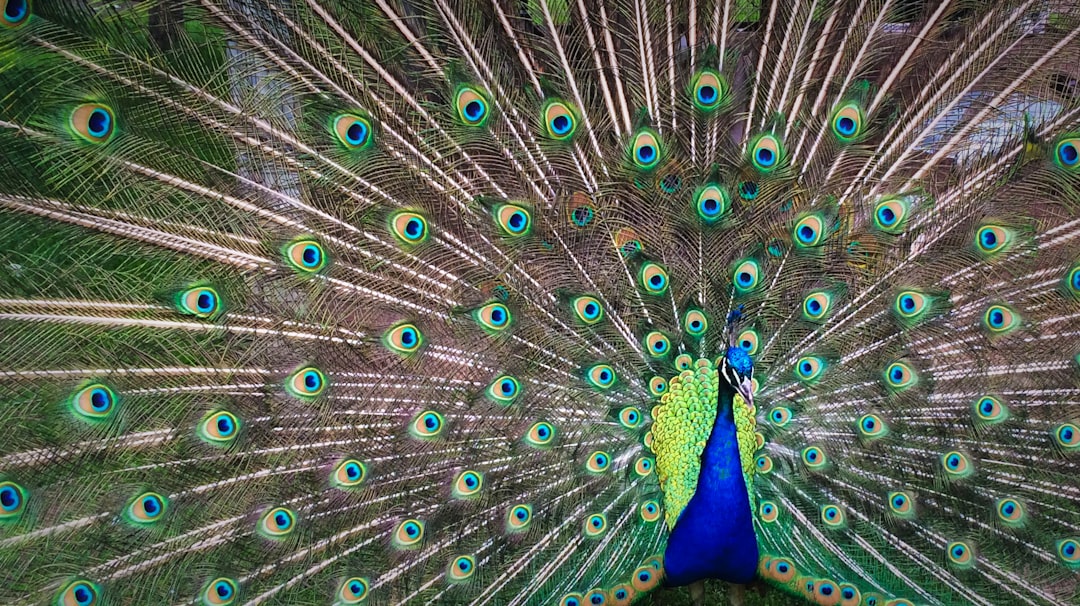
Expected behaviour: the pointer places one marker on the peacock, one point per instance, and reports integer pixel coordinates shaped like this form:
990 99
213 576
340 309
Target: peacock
570 302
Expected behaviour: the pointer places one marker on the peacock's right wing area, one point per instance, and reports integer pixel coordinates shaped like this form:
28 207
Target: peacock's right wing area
326 301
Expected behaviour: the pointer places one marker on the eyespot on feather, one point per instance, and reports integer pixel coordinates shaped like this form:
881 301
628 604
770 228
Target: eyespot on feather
93 122
910 305
989 409
595 525
353 590
695 323
630 417
1010 512
504 390
653 278
847 122
645 151
746 276
900 376
408 534
622 594
472 106
588 309
890 215
763 464
571 599
219 592
79 592
749 340
826 593
809 368
306 256
493 317
849 595
780 416
809 231
901 504
16 13
709 90
353 132
783 570
813 457
540 435
683 362
409 227
598 462
871 427
766 153
201 301
643 466
1067 153
1069 551
956 464
560 121
461 569
468 484
960 554
657 386
649 511
1067 436
518 517
992 239
816 306
427 424
645 578
277 523
219 428
657 344
601 376
349 473
514 220
833 517
307 383
12 501
712 203
94 403
146 508
999 319
768 512
403 338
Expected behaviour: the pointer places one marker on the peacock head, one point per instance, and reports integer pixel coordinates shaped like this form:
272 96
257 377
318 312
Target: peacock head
738 370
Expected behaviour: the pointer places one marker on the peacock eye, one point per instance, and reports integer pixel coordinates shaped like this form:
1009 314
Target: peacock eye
560 121
645 150
472 106
409 227
766 153
847 122
12 501
353 590
353 132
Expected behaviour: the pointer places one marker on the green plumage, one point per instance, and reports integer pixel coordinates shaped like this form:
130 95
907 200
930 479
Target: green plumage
328 302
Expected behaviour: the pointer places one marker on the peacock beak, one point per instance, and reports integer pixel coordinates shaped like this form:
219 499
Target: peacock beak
746 390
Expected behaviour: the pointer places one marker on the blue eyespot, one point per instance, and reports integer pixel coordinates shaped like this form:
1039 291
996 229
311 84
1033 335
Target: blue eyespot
99 123
886 216
846 126
765 157
748 190
646 154
1068 153
16 11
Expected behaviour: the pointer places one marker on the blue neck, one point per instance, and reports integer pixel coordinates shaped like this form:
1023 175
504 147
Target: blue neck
714 535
